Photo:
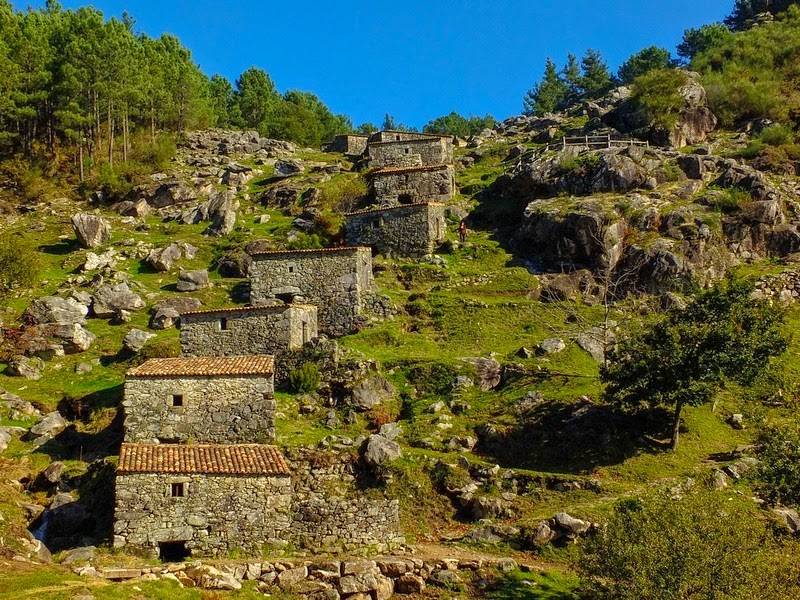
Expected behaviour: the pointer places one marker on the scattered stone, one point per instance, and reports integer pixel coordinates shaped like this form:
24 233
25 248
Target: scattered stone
163 259
52 309
50 426
92 231
370 392
551 346
27 367
192 281
76 555
736 420
110 301
288 167
135 340
380 451
489 372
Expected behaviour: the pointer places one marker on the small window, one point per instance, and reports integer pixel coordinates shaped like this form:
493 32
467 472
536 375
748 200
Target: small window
408 150
291 269
223 324
177 399
397 137
177 490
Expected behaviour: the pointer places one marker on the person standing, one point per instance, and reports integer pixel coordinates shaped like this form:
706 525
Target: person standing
462 231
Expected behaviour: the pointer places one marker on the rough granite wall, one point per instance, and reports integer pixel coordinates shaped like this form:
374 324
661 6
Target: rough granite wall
349 145
264 330
407 230
330 513
335 280
413 184
215 410
428 151
217 514
390 135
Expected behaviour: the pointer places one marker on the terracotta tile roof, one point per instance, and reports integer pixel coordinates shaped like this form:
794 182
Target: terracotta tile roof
235 309
209 366
421 140
398 170
388 208
309 251
439 135
218 459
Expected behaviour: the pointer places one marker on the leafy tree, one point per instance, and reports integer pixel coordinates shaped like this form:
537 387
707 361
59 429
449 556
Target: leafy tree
548 94
705 545
367 128
458 125
687 356
596 79
701 39
256 96
657 95
223 101
644 61
745 12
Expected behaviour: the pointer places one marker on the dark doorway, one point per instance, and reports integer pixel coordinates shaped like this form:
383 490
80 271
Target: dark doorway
173 551
405 199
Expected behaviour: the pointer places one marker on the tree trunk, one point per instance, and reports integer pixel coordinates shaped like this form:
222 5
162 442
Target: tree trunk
125 135
676 425
110 137
80 156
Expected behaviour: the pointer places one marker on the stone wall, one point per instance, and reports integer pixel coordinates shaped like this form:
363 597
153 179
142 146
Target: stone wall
334 279
407 230
217 514
349 145
331 513
252 330
390 135
429 151
413 184
237 409
784 287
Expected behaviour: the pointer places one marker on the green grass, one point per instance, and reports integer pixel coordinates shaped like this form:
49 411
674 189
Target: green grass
548 585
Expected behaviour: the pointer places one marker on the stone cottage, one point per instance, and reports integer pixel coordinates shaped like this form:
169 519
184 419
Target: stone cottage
207 499
407 230
424 151
392 135
410 185
350 144
202 399
267 329
337 280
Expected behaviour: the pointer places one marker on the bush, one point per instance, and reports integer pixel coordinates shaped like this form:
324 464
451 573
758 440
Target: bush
777 135
343 193
705 545
164 348
19 264
730 200
779 473
304 379
657 96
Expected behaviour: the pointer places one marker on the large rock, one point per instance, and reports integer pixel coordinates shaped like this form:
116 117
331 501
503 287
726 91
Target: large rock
51 425
571 525
222 209
135 340
169 193
92 231
288 167
163 259
74 338
191 281
370 392
597 341
27 367
52 309
167 312
5 438
380 451
110 300
488 372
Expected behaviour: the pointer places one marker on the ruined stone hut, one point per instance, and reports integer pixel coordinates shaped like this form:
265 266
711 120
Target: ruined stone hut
175 500
423 151
337 280
411 185
266 329
350 144
412 230
203 399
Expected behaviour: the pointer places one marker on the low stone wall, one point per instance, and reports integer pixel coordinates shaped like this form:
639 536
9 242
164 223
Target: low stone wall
407 230
216 515
334 280
251 330
413 184
214 409
784 287
349 145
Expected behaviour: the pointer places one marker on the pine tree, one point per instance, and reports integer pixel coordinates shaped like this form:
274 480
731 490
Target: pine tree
547 95
596 79
745 12
256 96
571 75
644 61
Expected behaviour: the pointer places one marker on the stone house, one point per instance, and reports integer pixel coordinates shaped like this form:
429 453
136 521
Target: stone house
208 499
406 230
392 135
201 399
350 144
424 151
267 329
337 280
409 185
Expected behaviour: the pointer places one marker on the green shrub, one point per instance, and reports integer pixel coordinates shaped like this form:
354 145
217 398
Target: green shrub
343 192
777 135
19 264
657 96
730 200
779 473
304 379
160 348
704 545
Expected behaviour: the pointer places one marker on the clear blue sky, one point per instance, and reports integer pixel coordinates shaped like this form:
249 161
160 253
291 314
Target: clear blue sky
416 59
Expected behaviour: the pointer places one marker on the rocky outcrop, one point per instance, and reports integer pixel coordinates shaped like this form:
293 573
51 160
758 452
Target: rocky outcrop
52 309
191 281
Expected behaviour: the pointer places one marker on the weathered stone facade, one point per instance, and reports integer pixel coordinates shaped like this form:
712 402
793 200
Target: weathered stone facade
268 329
218 513
336 280
406 230
427 151
391 135
408 185
212 408
349 144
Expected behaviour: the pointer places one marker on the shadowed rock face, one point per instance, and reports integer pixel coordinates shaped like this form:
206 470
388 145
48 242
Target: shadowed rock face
91 230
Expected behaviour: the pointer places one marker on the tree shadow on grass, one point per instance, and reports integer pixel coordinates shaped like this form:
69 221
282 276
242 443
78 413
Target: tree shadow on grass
574 438
60 248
